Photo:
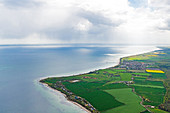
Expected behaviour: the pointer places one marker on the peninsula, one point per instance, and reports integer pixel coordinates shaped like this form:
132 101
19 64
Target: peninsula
138 84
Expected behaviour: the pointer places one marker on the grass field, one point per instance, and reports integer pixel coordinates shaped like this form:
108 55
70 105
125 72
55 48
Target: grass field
157 111
98 98
125 95
145 111
139 78
155 95
99 78
141 74
113 86
125 76
151 86
158 75
119 70
106 70
152 90
148 82
137 57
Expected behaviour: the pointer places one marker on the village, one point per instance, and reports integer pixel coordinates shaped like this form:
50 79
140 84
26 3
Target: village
134 65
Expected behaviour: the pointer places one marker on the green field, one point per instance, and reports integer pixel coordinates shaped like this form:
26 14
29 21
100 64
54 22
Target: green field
113 86
142 74
125 76
146 111
158 75
151 86
152 90
90 91
157 111
155 95
125 95
148 82
119 70
139 78
106 70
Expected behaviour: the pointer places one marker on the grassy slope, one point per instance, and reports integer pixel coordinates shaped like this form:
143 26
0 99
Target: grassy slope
130 99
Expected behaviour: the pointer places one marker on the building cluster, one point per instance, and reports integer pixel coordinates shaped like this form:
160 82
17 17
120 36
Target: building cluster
73 97
86 77
134 65
60 86
83 102
125 82
149 106
108 74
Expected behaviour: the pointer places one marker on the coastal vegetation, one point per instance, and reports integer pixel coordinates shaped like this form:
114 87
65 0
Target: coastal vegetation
140 83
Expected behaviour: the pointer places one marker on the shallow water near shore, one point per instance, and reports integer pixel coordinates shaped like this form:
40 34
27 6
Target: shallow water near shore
21 67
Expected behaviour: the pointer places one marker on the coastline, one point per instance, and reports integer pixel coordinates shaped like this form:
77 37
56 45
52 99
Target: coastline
105 67
80 106
75 103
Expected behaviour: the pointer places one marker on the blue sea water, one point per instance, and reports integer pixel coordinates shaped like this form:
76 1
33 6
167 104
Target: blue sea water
21 67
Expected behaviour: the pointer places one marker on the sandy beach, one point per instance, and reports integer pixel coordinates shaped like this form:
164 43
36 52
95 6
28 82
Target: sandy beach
46 85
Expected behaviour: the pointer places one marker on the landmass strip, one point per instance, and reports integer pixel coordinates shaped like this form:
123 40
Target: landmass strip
138 84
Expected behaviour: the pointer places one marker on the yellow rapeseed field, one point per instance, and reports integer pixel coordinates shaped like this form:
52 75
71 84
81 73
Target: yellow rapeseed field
154 71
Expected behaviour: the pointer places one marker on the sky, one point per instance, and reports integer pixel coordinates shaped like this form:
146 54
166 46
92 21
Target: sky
84 21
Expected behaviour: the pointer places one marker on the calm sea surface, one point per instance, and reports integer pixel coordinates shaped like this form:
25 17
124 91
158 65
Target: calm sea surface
22 66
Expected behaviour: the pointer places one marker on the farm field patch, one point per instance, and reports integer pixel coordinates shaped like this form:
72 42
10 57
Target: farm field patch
129 98
99 99
157 110
154 71
154 96
141 74
125 76
148 82
152 86
158 75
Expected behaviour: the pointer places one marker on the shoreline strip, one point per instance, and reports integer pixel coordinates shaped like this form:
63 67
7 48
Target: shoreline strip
75 103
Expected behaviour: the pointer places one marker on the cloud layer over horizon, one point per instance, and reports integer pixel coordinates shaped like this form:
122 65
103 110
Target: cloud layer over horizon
85 21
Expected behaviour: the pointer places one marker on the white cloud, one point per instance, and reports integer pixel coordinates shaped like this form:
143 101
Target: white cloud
83 25
84 21
159 3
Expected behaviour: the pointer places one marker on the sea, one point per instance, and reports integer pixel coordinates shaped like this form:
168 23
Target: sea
22 66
